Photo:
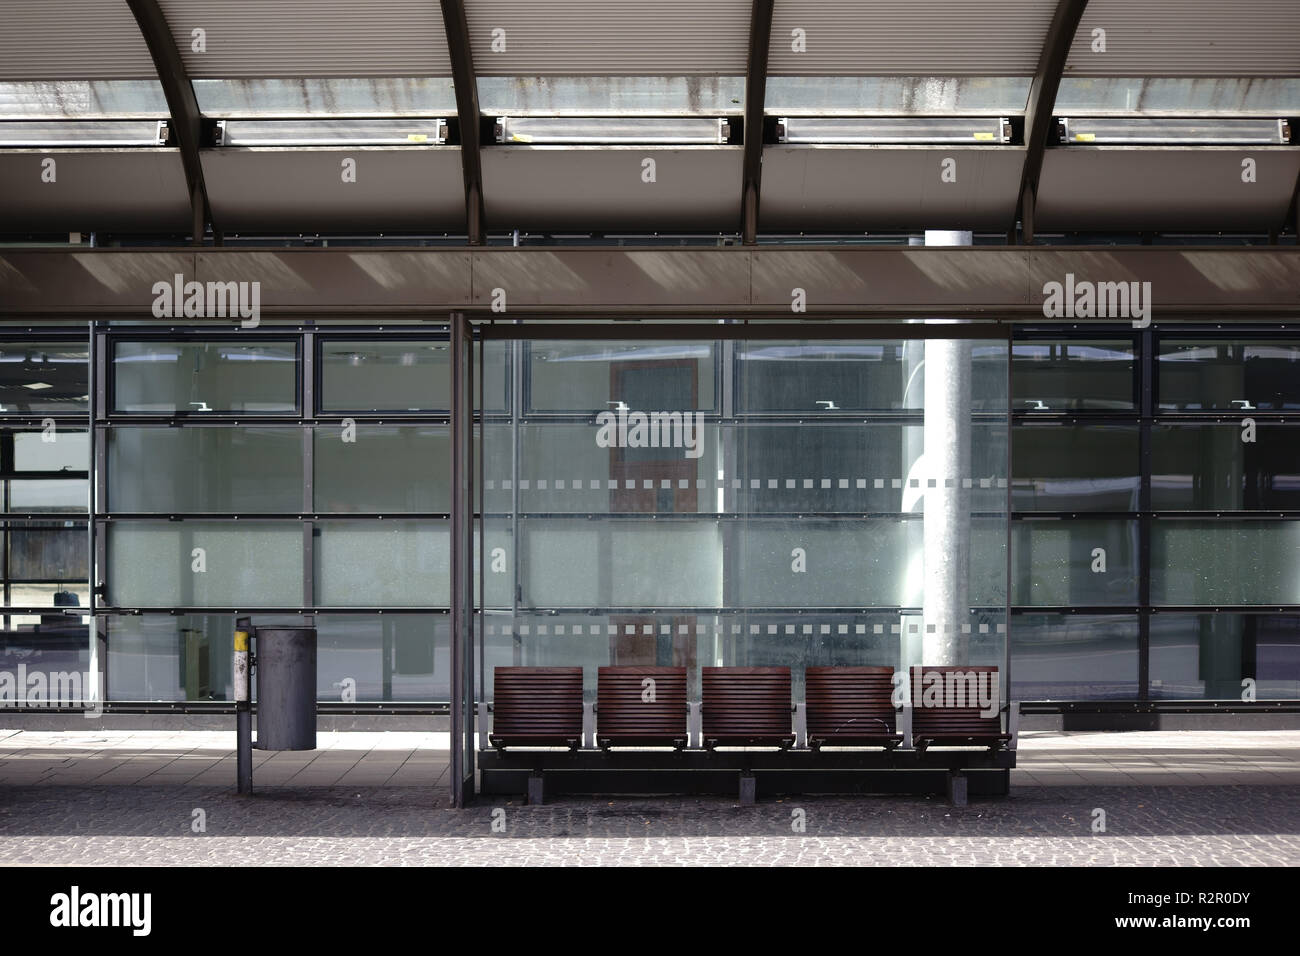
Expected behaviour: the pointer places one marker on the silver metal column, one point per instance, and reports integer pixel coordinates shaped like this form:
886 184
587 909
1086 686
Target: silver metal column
947 503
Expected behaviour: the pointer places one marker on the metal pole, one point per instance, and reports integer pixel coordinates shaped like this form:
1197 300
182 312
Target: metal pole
243 709
947 503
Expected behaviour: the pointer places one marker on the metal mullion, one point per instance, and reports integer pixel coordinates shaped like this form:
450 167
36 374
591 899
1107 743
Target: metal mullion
1147 385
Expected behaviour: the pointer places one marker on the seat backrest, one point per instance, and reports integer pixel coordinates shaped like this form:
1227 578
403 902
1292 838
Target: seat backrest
537 701
745 701
849 701
641 702
945 700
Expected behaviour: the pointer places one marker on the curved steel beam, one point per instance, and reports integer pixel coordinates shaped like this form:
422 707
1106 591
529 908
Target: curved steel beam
1042 101
760 36
466 84
186 118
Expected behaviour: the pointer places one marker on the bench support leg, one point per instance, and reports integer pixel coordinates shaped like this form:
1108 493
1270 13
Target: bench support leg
748 789
536 792
957 788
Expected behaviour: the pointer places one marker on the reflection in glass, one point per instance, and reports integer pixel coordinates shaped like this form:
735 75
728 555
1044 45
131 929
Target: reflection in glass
1075 468
199 377
384 376
1074 657
1207 467
1072 375
1239 375
601 376
1209 656
43 377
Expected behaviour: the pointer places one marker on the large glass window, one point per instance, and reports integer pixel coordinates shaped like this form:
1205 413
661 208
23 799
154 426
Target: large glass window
1220 656
1238 375
1076 468
1071 375
231 564
1226 466
1225 562
43 377
168 378
205 469
663 518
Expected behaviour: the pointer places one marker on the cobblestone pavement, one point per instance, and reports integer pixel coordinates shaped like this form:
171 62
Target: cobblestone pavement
419 759
151 824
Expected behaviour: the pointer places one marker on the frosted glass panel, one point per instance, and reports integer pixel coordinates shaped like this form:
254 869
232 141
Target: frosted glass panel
1056 563
49 494
377 563
59 449
246 564
382 469
1230 562
198 469
622 564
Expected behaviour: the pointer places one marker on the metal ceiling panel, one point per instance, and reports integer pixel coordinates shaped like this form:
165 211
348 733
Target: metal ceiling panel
890 277
94 190
1165 189
601 188
309 38
609 38
820 189
1187 38
295 190
908 37
71 40
585 279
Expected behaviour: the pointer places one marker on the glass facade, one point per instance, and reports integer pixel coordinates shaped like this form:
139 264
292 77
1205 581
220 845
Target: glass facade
693 502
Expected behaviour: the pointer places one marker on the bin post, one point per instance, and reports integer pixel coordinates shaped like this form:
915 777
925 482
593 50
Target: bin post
243 709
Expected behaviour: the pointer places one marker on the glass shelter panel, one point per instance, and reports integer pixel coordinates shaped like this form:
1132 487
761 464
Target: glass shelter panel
740 503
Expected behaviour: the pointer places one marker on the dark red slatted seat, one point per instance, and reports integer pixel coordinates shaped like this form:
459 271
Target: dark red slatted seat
951 726
537 707
625 719
746 706
850 706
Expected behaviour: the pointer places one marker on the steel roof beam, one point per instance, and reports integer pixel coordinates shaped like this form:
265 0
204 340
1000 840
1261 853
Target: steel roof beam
466 84
186 118
1042 103
760 36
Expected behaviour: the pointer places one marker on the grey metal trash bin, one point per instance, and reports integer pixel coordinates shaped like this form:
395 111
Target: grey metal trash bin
286 688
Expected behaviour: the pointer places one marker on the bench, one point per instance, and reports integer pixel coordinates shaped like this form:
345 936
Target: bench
537 707
851 706
745 707
641 707
742 728
951 725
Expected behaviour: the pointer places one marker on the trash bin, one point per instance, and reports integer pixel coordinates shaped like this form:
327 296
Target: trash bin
286 688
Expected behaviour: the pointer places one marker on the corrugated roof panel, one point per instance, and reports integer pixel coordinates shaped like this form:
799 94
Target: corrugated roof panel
301 38
1188 38
609 37
71 40
908 37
